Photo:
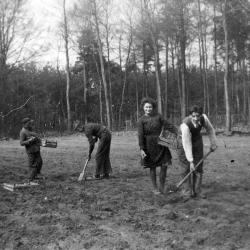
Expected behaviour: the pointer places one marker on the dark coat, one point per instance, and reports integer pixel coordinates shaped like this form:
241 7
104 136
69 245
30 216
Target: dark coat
149 129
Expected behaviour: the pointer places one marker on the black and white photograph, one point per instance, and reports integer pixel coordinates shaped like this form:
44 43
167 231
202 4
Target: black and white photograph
124 124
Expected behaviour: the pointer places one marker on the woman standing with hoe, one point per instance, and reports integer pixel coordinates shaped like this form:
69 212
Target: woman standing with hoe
153 155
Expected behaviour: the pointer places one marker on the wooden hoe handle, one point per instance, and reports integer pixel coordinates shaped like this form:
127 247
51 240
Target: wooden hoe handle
196 166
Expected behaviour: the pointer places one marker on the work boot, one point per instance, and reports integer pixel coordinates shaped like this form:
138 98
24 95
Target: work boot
186 192
198 183
105 176
161 189
97 177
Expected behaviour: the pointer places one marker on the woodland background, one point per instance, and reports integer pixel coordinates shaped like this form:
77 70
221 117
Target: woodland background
180 52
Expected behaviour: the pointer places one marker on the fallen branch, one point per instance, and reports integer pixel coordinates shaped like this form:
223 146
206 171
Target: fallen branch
15 109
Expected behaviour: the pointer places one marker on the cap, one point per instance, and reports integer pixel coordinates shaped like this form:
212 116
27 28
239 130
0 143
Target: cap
26 119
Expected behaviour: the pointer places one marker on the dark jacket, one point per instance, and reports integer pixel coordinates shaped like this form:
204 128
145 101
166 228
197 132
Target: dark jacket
33 146
93 131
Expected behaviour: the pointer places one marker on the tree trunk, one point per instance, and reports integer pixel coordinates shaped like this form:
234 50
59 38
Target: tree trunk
203 72
109 77
100 86
232 80
125 79
136 87
84 93
248 97
183 60
179 76
151 25
172 62
215 67
137 98
121 81
245 93
145 80
100 101
166 81
66 40
206 67
157 75
237 89
107 30
227 101
100 51
175 81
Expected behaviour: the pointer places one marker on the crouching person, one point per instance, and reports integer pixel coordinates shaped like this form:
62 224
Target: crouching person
93 132
31 141
191 151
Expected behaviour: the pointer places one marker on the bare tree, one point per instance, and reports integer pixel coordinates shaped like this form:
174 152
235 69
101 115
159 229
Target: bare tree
226 44
16 109
182 41
130 39
167 31
215 64
203 59
100 84
150 12
100 51
66 44
12 41
166 79
136 86
84 90
107 27
80 17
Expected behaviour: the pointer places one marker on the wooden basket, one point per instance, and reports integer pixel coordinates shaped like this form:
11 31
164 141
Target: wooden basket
13 187
49 144
168 139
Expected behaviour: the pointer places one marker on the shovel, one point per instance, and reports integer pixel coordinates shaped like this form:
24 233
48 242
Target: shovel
176 188
83 171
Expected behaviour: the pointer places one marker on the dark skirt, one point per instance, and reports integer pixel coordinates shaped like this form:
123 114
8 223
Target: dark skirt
157 155
103 165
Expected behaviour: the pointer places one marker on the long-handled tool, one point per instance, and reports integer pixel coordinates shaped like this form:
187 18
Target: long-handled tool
175 188
83 171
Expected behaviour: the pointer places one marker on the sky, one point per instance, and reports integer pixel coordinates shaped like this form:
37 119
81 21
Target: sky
46 16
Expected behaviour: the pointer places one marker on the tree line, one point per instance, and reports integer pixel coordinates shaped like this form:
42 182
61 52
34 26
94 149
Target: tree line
179 52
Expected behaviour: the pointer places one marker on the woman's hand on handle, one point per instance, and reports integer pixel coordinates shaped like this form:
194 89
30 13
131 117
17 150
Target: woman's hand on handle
213 147
143 154
192 169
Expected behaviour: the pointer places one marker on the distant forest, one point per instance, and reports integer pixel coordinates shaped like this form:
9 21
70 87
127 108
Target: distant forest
178 52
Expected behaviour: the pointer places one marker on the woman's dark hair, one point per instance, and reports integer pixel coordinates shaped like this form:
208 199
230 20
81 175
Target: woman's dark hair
196 109
148 100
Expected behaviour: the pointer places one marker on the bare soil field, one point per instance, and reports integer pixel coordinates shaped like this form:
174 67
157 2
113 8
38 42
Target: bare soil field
122 212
